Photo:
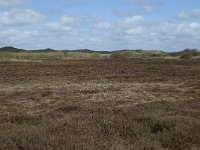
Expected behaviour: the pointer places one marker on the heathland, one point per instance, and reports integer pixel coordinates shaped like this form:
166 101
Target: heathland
140 103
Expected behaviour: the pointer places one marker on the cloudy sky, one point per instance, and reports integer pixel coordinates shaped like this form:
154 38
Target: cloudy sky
168 25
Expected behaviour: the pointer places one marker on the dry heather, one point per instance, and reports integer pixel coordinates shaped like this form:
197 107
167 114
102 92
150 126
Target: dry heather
100 104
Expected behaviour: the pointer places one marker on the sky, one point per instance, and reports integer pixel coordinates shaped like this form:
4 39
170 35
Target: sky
169 25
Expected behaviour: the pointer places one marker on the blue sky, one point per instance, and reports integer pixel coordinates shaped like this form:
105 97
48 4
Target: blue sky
100 24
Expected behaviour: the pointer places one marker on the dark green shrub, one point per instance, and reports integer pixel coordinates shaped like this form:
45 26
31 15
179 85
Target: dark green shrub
122 55
187 55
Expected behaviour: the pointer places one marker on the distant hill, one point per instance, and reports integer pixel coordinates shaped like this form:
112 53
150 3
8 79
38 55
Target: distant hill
11 49
43 50
135 52
194 52
88 51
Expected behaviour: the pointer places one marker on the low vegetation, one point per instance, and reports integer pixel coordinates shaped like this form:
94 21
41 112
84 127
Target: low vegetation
141 127
187 55
30 55
10 53
140 104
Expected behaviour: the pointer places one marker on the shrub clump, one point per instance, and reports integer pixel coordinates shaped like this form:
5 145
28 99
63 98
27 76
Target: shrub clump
187 55
122 55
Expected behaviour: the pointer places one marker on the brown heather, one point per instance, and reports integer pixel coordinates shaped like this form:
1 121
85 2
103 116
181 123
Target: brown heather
140 104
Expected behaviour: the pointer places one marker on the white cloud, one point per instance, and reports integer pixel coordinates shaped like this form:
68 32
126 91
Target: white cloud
66 19
165 36
135 30
17 34
196 12
189 15
19 17
183 15
175 36
143 4
148 8
132 21
10 2
8 32
58 27
103 25
69 23
16 37
78 20
195 25
95 33
180 30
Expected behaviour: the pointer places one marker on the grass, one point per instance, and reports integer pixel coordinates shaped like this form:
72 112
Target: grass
30 55
123 54
11 53
50 55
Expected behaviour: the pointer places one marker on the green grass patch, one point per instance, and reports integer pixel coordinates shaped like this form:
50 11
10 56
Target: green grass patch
30 55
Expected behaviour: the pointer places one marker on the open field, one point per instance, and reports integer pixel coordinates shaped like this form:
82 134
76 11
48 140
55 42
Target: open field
145 104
